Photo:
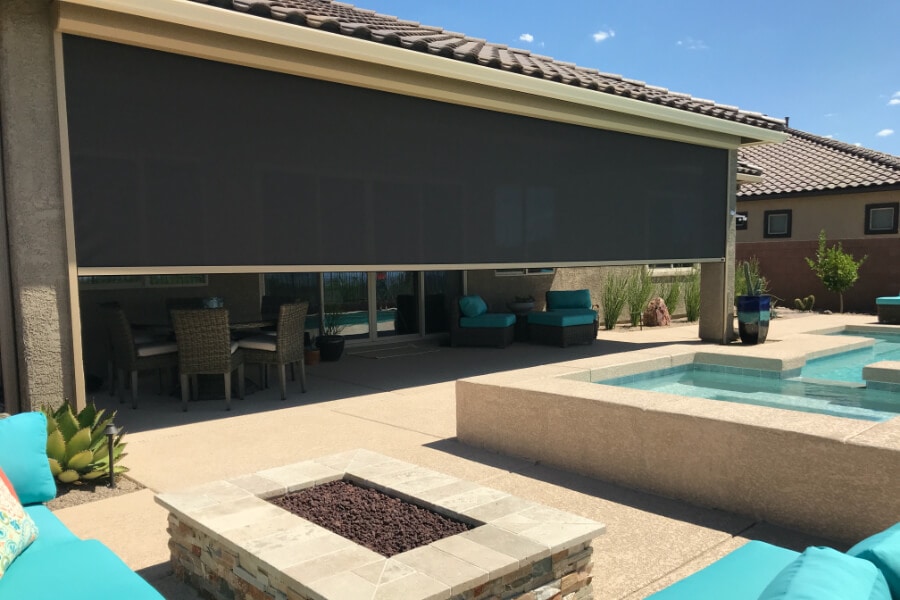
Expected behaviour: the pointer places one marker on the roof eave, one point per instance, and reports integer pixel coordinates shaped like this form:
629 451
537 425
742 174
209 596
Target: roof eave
673 123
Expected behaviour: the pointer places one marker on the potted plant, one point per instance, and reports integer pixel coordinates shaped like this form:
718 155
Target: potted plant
330 342
753 307
521 304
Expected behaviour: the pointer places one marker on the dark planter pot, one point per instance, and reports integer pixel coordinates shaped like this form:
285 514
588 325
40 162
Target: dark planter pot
330 346
753 318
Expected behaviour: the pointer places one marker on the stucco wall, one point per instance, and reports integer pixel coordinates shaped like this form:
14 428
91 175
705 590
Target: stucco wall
842 216
34 203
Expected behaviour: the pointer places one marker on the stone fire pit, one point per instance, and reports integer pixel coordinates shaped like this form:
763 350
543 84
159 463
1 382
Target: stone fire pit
229 542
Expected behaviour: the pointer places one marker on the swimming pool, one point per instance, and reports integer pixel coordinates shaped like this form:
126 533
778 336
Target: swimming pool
831 385
698 381
848 366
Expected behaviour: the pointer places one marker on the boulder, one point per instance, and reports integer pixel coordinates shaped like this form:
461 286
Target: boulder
656 313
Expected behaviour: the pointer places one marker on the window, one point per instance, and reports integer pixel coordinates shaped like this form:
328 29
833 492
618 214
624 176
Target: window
881 218
118 282
778 224
511 272
740 221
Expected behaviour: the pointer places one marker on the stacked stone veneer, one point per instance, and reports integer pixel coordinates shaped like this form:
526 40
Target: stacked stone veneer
230 543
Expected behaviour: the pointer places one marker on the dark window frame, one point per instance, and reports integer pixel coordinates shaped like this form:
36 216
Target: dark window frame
741 224
790 218
870 207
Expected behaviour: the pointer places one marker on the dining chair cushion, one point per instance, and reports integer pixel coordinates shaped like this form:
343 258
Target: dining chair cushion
234 346
144 338
156 348
259 342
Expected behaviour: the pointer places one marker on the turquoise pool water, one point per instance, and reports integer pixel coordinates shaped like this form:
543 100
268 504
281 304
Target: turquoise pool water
848 366
830 385
840 401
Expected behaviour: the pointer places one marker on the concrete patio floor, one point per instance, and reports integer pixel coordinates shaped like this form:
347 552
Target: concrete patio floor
404 407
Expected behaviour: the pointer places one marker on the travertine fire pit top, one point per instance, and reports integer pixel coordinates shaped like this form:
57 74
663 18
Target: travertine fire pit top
315 562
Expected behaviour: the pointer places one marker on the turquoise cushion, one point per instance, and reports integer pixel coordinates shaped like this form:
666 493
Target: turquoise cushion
883 550
51 529
560 319
568 299
825 574
472 306
489 320
741 575
74 570
892 300
576 311
23 456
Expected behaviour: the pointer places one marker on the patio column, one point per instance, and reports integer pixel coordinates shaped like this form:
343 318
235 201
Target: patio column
38 277
717 279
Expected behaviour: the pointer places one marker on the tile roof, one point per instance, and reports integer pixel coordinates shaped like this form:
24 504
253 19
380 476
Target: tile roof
346 19
810 163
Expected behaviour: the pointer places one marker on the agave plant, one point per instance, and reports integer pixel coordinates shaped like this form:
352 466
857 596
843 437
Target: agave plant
77 446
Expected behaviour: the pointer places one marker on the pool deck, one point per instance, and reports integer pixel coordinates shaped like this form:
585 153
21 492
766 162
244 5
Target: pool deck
405 407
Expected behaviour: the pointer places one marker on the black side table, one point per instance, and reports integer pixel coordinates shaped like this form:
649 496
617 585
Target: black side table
521 334
521 310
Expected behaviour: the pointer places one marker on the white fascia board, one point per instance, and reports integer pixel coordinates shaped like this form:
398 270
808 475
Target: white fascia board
231 23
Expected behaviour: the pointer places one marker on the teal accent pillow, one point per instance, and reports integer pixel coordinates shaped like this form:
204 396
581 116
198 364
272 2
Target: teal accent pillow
568 299
472 306
825 574
883 550
23 456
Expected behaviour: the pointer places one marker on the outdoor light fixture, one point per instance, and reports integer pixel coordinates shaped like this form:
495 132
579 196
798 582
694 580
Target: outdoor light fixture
111 432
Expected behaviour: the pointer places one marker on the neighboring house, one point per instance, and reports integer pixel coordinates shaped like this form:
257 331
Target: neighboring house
810 183
150 139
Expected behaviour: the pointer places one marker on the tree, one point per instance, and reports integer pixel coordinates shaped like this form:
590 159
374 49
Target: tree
836 269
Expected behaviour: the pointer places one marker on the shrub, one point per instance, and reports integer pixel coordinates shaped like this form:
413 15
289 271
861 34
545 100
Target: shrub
612 297
637 294
835 268
670 292
691 286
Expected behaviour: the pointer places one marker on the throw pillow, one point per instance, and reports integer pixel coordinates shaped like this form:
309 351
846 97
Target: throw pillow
825 574
4 480
23 456
883 550
472 306
17 529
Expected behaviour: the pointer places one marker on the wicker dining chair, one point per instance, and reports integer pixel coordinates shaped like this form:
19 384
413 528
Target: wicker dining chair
286 348
205 348
131 357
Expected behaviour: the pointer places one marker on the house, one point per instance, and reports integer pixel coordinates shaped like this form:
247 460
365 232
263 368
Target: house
167 143
810 183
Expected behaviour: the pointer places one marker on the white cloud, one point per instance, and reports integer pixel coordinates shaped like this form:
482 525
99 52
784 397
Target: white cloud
526 37
885 132
829 137
895 99
692 44
602 36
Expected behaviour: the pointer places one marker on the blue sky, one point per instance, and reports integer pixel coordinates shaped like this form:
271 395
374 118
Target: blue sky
832 66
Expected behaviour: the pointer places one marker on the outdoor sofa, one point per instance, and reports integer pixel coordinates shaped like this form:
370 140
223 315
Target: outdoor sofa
888 309
57 564
472 325
569 318
870 570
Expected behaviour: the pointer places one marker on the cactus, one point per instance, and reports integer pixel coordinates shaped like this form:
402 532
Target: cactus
77 447
752 284
806 304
